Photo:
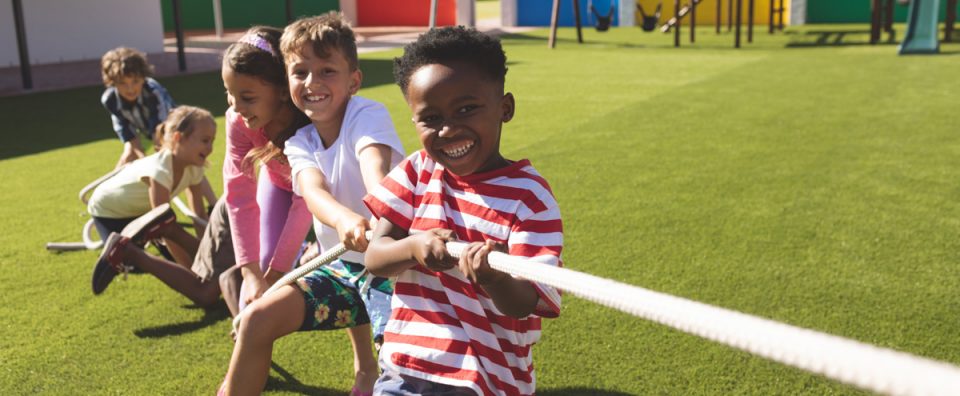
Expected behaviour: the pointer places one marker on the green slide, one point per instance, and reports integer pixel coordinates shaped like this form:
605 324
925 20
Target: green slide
921 37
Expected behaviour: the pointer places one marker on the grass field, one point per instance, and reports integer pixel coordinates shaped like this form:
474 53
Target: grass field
808 180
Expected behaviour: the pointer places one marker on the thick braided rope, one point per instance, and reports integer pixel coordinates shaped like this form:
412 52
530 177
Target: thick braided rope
862 365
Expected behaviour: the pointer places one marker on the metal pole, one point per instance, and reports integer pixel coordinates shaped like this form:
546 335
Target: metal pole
780 16
729 14
433 14
676 17
750 21
693 20
576 18
552 41
26 76
289 10
181 57
218 18
719 12
737 34
951 18
771 17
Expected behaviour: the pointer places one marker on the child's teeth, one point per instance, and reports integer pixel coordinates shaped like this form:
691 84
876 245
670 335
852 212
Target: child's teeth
459 151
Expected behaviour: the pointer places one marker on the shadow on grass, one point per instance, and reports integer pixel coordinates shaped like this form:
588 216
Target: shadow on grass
210 316
568 39
577 391
75 116
289 383
835 38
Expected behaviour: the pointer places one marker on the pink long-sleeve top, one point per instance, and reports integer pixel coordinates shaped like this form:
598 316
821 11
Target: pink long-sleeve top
240 191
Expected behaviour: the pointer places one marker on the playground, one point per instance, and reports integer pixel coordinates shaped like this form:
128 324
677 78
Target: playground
809 177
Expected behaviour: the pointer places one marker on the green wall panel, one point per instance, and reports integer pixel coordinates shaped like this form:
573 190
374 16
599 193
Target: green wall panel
853 11
240 14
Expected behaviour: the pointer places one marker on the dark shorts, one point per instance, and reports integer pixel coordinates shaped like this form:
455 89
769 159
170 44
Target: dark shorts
215 253
106 225
333 298
395 384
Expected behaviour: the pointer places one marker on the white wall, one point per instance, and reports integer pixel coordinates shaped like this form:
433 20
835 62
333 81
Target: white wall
69 30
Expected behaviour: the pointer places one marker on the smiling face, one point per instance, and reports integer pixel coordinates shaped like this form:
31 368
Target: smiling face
458 112
130 86
321 86
256 100
193 149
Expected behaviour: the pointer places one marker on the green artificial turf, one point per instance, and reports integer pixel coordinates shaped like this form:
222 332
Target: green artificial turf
807 180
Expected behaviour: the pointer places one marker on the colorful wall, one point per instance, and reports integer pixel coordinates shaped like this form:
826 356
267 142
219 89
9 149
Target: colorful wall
853 11
537 12
404 12
707 11
240 14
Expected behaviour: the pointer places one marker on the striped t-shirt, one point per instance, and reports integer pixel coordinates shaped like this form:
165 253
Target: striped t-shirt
442 327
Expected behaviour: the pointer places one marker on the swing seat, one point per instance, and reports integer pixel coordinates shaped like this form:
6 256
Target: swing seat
603 21
649 22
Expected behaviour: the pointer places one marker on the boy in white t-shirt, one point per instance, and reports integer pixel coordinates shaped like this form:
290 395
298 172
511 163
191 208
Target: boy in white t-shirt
348 147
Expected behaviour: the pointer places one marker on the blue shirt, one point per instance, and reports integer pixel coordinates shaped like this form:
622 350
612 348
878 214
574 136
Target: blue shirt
143 115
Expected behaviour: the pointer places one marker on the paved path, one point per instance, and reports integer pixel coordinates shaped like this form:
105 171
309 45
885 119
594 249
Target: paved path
202 49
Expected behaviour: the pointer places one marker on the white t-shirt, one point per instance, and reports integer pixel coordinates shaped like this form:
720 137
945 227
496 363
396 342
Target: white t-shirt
127 194
365 122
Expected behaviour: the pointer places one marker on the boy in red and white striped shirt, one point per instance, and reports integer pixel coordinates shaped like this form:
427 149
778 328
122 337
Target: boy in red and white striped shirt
459 326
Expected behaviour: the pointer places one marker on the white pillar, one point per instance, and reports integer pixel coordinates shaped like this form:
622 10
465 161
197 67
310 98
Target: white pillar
508 13
218 18
798 12
466 14
627 10
349 10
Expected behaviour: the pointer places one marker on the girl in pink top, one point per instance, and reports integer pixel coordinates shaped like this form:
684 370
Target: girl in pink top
268 222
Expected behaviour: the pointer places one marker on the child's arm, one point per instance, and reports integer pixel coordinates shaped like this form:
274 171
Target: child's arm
350 226
393 251
514 297
159 194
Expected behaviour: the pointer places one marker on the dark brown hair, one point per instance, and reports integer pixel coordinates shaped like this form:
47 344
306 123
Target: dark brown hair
322 33
121 62
266 64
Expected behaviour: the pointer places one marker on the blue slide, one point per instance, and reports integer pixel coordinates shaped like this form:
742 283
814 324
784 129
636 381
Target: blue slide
922 28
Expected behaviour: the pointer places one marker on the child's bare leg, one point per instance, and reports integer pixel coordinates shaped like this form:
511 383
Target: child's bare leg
230 281
187 243
262 322
174 275
365 366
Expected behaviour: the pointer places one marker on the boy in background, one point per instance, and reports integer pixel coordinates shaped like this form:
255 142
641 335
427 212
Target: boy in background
136 102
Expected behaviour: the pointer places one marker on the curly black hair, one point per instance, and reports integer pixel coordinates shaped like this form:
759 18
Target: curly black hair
448 44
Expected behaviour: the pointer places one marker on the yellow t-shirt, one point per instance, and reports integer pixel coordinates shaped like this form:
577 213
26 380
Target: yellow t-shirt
127 194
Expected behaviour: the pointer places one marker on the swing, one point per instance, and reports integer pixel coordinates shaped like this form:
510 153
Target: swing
603 21
649 21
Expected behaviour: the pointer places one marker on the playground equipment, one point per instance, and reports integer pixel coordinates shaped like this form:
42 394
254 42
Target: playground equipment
649 22
90 241
922 22
602 21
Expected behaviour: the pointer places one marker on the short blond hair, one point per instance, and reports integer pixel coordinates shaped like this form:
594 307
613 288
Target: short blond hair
323 33
121 62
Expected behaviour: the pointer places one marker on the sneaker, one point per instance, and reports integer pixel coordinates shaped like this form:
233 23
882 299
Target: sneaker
109 263
148 226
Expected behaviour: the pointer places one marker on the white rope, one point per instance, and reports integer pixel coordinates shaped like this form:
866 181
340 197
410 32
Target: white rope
866 366
862 365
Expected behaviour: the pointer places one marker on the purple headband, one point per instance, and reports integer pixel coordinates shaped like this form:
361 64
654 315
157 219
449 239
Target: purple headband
257 41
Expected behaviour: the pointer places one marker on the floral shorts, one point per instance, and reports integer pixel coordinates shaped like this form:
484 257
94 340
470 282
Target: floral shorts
333 298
